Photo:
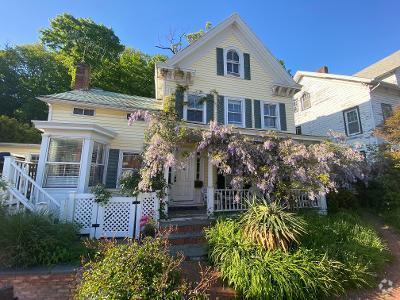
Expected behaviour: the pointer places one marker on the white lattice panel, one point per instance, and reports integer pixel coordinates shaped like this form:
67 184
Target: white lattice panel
149 203
117 216
83 212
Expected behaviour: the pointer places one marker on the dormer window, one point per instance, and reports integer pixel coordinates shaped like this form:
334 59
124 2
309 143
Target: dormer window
232 63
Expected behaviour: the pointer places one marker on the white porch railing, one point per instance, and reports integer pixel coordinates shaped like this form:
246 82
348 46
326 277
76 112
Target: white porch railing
229 200
23 190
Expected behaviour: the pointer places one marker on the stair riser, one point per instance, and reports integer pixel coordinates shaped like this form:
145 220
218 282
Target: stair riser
188 240
186 228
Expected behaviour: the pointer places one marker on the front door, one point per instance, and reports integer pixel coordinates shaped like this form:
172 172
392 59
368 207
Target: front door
182 188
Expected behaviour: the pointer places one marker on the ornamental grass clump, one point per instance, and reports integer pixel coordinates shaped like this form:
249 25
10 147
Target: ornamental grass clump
270 226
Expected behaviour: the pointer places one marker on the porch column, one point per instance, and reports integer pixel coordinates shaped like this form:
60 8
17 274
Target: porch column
323 207
86 159
41 167
6 175
210 188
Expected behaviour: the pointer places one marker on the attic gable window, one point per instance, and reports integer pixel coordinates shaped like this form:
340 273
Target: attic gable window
83 111
232 63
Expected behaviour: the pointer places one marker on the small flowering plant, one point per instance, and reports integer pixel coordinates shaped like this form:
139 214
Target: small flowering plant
148 226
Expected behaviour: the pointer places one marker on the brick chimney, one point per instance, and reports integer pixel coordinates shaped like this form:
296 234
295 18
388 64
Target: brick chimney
323 69
82 76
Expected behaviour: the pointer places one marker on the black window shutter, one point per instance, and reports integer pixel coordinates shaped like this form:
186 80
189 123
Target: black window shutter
179 103
257 114
112 168
210 108
249 115
282 116
246 62
220 61
221 110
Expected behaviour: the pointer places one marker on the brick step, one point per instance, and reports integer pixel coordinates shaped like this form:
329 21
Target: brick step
190 251
186 228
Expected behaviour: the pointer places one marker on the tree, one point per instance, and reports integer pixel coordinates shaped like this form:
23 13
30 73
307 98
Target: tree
11 130
81 40
25 73
132 73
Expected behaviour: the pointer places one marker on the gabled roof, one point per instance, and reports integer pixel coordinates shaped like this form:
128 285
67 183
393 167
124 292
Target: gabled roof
381 67
262 54
98 97
300 74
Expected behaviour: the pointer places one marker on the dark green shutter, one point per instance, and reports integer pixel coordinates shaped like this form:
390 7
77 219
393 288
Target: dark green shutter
210 108
179 103
257 114
112 168
220 110
249 115
220 61
246 59
282 116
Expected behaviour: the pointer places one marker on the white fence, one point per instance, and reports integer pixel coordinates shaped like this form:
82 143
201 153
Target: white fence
120 217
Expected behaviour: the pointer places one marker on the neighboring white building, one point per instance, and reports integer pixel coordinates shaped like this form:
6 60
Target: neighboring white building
354 105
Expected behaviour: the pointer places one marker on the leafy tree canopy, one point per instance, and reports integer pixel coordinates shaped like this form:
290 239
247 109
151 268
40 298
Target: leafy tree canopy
81 40
13 131
25 73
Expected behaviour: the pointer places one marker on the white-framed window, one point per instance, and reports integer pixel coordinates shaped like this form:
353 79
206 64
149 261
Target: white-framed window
387 110
63 163
352 121
270 113
298 130
233 63
195 108
129 162
234 112
83 111
97 164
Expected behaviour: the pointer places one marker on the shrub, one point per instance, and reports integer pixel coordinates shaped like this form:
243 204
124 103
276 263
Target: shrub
131 270
270 226
343 199
30 239
337 252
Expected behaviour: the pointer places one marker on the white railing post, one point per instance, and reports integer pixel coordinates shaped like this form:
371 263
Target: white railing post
323 207
6 175
210 188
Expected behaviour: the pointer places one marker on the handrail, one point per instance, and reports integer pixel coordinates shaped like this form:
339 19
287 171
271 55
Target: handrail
33 182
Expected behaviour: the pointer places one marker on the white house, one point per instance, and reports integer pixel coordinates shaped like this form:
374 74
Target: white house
354 105
86 139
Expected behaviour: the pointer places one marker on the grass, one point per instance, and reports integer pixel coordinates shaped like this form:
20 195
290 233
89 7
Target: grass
336 253
392 218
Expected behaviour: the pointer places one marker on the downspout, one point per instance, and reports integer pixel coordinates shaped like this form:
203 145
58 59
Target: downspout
372 109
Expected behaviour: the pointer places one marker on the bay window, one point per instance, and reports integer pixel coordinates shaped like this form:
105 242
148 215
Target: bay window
63 162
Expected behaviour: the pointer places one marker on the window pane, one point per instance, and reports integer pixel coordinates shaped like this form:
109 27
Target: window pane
352 116
229 67
270 122
78 111
88 112
195 101
64 150
234 118
387 110
269 110
195 115
62 175
96 174
131 161
236 68
354 127
234 106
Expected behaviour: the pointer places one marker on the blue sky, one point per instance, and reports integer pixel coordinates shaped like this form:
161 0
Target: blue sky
345 35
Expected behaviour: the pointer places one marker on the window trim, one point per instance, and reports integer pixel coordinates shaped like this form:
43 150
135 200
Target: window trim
278 116
241 63
346 125
242 100
83 108
302 101
298 130
186 107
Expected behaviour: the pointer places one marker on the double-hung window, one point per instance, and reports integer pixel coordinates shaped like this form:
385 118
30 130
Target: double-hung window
97 164
195 108
235 113
83 111
63 163
352 121
270 116
233 63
